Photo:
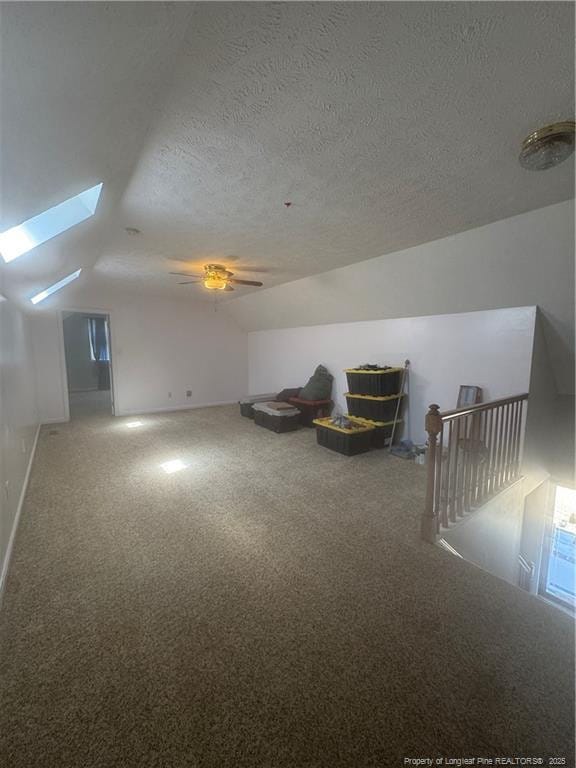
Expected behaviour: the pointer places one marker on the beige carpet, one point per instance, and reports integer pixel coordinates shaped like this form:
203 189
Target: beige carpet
269 606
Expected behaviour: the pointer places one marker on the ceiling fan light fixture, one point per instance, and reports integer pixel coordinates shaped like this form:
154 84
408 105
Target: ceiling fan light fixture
548 146
215 283
215 277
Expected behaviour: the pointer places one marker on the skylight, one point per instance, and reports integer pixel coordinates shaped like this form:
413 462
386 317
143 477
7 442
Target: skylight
56 287
37 230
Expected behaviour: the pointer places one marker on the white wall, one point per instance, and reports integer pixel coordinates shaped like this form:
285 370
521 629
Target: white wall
18 421
157 346
490 538
49 367
526 260
537 509
490 349
549 444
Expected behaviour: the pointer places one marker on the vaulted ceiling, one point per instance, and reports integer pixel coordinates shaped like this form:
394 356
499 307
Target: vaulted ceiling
384 124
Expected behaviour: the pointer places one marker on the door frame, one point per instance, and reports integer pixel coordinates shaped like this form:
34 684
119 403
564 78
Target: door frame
547 543
100 312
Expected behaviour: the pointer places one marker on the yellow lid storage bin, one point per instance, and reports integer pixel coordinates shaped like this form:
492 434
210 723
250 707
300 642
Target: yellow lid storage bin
379 382
375 408
382 430
349 441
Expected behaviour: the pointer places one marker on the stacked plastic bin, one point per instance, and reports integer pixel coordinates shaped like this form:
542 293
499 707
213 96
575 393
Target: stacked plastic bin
375 404
375 398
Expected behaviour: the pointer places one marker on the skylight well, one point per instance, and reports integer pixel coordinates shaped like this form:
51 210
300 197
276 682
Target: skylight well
56 287
20 239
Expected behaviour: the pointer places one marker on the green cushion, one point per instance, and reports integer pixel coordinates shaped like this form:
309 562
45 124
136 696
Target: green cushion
319 386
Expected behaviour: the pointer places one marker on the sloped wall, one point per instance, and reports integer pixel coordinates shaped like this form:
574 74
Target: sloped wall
490 349
527 260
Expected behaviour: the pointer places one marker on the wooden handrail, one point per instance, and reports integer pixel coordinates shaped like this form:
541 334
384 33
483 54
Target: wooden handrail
473 453
446 415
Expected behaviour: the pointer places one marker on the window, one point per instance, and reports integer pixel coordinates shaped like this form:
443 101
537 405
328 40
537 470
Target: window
559 575
37 230
98 334
56 287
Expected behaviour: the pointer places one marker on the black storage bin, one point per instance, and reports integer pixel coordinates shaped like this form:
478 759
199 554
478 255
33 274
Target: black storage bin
348 442
247 410
277 423
247 404
374 408
378 383
382 431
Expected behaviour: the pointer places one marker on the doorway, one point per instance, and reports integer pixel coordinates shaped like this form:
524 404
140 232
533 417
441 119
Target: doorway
88 364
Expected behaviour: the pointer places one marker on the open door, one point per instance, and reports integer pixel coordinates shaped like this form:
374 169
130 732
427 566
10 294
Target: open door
88 364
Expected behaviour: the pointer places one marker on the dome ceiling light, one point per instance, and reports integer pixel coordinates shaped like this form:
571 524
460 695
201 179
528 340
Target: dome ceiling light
548 146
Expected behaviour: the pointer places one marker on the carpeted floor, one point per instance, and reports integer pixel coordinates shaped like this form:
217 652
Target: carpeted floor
269 606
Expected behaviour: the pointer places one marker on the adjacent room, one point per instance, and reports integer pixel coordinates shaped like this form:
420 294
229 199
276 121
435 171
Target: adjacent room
329 521
87 356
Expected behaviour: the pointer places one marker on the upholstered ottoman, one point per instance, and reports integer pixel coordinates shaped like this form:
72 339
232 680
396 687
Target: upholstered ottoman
311 409
277 417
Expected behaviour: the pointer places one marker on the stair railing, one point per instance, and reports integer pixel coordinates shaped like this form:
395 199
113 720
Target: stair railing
473 454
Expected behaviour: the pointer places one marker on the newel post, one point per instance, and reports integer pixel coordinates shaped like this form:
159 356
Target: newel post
429 518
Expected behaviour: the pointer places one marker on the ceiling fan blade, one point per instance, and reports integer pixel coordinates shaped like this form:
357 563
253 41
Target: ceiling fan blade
190 282
250 268
245 282
184 274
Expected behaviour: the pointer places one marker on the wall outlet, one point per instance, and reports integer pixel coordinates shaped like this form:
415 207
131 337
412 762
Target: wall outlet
169 395
188 393
23 445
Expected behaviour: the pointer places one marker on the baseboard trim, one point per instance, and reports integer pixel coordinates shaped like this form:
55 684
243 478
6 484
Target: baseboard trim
56 420
12 538
167 409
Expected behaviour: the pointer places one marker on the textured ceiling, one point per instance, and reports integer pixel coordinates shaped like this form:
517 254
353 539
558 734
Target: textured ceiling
385 124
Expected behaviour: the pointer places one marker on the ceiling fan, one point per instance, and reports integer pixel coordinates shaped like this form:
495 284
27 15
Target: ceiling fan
215 278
